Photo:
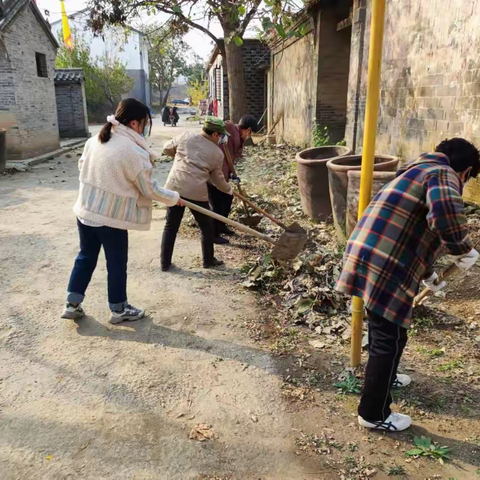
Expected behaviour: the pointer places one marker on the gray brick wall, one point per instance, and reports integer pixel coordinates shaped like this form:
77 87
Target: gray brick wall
28 109
430 86
71 111
255 55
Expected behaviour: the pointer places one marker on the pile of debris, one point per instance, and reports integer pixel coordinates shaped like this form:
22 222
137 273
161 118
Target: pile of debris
305 289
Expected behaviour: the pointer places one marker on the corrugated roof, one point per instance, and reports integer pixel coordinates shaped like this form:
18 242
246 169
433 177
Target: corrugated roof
68 76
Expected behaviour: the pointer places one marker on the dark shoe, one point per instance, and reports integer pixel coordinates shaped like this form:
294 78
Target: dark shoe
214 263
166 268
128 314
220 240
226 231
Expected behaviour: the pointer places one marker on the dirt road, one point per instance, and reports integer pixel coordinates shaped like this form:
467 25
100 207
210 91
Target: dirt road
89 400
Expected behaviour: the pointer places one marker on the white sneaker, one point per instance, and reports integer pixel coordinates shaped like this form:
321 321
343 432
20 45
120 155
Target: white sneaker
73 312
402 381
128 314
396 422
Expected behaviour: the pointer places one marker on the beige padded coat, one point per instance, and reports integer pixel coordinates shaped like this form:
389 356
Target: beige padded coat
198 160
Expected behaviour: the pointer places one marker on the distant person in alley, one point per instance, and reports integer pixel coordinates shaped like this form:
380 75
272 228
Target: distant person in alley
198 160
393 248
220 202
116 192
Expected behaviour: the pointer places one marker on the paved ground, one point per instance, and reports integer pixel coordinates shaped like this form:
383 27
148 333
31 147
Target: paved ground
89 400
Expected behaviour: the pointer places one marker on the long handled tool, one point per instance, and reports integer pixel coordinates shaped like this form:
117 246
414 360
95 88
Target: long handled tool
426 292
446 274
251 221
287 247
294 227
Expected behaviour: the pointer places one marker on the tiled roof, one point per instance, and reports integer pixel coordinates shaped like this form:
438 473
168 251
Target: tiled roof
68 75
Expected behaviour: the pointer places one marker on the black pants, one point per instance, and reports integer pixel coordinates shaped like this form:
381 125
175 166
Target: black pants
115 245
221 203
386 344
173 221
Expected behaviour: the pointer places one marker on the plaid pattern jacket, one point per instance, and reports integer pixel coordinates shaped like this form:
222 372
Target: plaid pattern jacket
401 234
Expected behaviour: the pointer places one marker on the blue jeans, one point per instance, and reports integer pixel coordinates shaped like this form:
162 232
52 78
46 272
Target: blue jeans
115 245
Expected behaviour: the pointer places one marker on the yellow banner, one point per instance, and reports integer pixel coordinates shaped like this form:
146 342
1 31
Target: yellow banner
67 37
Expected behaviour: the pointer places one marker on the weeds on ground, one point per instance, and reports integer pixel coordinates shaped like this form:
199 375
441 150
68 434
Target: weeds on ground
419 324
287 342
424 447
396 470
349 385
321 137
451 365
319 445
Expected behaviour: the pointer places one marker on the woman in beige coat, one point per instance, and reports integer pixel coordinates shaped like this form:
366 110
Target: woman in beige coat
198 160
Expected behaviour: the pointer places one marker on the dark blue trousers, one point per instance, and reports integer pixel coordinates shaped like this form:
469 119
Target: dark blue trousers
115 246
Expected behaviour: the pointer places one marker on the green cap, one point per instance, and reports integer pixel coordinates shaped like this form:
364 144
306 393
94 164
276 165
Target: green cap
216 125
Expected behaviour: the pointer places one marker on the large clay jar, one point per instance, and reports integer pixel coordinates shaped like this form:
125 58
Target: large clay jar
338 169
380 179
312 177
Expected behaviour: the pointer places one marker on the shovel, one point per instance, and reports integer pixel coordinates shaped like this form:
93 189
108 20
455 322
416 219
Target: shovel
293 228
286 248
251 221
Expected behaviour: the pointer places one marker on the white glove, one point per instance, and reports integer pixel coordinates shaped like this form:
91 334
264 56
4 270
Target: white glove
467 261
431 285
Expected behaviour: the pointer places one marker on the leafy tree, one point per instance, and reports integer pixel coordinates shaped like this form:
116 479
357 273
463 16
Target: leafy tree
79 57
167 56
196 71
198 90
113 79
105 77
234 17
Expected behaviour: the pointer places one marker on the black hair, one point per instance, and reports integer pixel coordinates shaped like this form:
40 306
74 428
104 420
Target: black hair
127 110
462 155
209 132
248 121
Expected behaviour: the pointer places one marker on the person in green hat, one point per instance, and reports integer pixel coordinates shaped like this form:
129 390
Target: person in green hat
198 160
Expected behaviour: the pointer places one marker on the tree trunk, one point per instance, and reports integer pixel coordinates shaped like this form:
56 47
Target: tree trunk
237 97
167 93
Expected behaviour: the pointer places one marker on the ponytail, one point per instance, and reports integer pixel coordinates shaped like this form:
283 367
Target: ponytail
127 110
105 133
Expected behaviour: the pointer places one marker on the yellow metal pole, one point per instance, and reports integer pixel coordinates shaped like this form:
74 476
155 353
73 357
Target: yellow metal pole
368 154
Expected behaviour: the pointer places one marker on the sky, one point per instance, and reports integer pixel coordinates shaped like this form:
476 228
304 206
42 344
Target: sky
200 43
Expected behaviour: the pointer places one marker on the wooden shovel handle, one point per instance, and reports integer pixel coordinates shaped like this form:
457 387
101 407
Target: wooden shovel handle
447 273
232 168
232 223
259 210
452 269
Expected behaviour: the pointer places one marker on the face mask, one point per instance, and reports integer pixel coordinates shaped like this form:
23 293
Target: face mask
223 139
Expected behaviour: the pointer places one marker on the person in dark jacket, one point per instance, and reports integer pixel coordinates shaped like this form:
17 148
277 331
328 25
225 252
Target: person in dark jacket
392 249
166 115
220 202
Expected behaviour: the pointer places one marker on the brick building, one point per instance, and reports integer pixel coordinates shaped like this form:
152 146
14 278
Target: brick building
256 60
27 95
430 86
71 103
308 78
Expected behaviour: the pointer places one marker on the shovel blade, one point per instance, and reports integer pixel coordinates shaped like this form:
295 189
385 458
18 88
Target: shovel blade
296 228
289 245
251 221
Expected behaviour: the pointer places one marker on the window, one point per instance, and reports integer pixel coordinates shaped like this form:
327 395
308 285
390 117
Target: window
41 59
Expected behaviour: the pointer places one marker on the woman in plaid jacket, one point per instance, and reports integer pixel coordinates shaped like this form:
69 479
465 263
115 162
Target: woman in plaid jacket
392 249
